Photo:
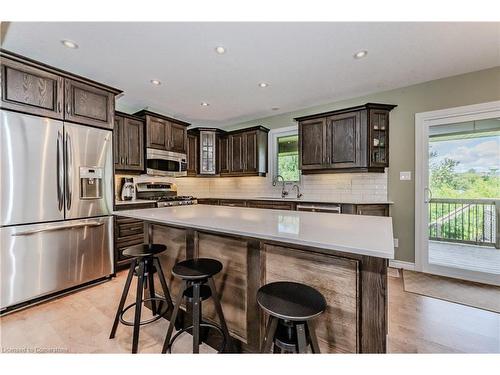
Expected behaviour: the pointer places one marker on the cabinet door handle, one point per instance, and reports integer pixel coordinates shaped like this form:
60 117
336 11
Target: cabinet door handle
59 107
68 109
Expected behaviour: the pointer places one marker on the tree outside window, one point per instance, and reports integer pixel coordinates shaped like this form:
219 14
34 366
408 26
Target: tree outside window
288 157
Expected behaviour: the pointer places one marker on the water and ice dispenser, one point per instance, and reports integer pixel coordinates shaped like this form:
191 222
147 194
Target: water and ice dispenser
91 182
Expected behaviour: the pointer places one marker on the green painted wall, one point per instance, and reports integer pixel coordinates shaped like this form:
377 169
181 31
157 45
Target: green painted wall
471 88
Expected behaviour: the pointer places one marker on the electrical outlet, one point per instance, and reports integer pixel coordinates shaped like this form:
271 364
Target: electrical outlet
405 176
396 242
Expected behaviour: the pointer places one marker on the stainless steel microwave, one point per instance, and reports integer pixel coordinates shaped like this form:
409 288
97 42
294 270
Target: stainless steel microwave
165 163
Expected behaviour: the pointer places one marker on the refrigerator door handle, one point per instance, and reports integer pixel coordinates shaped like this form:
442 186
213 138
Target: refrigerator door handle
69 171
62 227
60 171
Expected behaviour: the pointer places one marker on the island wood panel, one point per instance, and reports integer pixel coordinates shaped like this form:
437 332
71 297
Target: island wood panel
175 240
231 282
336 278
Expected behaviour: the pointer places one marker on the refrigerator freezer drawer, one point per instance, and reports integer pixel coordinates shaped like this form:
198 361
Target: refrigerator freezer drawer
40 259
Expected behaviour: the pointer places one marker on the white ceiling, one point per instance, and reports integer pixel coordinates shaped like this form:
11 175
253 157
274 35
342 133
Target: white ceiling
305 64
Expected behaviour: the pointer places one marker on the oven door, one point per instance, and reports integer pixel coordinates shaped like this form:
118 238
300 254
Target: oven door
165 163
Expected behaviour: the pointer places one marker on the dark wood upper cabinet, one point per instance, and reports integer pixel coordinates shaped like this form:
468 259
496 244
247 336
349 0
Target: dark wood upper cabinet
88 105
346 140
223 152
164 133
35 88
379 137
250 155
312 144
354 139
128 143
247 152
118 142
30 89
192 154
135 144
237 152
178 138
156 133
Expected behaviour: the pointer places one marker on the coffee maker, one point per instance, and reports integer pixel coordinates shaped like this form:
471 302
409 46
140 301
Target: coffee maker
128 190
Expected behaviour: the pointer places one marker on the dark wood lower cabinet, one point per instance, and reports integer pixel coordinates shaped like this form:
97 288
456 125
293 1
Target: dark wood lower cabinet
346 208
127 232
273 205
232 203
372 209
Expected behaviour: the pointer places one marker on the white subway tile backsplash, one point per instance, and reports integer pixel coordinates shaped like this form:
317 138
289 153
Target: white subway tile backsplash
345 186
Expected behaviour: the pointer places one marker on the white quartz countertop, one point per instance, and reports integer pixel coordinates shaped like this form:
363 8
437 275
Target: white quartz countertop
357 234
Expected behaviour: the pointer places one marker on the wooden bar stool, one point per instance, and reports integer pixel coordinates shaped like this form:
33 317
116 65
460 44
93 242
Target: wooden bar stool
291 308
144 265
197 286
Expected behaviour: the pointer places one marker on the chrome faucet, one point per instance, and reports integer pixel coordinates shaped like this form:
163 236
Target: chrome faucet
284 193
299 194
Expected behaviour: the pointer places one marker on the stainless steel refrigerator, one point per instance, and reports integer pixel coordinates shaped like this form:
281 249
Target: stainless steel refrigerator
56 198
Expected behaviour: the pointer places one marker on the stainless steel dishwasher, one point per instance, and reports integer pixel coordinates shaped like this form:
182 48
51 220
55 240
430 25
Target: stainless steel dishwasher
319 207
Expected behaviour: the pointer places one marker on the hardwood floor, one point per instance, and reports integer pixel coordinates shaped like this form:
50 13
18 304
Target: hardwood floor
420 324
80 323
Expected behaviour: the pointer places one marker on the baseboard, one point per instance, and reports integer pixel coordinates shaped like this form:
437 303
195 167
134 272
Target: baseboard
402 264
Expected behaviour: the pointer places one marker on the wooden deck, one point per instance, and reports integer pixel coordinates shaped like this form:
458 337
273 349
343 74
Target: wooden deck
463 256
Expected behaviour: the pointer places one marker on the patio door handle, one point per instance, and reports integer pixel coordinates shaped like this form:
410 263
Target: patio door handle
427 195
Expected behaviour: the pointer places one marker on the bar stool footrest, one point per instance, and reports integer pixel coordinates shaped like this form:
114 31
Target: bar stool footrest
143 322
202 324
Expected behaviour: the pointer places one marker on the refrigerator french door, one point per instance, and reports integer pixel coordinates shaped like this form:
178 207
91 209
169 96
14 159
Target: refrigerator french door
55 205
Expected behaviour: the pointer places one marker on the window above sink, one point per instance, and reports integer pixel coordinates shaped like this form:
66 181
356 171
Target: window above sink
285 154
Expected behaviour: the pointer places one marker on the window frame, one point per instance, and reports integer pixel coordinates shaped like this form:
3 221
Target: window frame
273 149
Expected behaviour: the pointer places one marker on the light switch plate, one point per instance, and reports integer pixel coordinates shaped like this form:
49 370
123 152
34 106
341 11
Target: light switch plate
396 242
405 176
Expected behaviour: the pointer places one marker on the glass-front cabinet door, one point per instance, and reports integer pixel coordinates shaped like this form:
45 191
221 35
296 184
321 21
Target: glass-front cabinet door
379 138
207 152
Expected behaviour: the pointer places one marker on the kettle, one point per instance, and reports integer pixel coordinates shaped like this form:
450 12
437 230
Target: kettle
128 190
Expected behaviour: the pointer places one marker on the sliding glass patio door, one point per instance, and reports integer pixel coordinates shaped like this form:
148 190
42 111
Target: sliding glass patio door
457 192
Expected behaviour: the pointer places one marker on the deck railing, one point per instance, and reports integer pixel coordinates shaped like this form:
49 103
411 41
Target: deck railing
472 221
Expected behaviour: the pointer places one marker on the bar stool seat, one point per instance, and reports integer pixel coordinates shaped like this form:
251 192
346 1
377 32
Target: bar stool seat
291 301
291 307
144 250
197 269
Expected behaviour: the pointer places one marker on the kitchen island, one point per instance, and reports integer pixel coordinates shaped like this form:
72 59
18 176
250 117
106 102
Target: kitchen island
343 256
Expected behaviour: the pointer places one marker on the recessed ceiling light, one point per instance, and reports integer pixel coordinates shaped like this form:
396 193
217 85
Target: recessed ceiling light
155 82
360 54
69 43
204 104
263 84
220 50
